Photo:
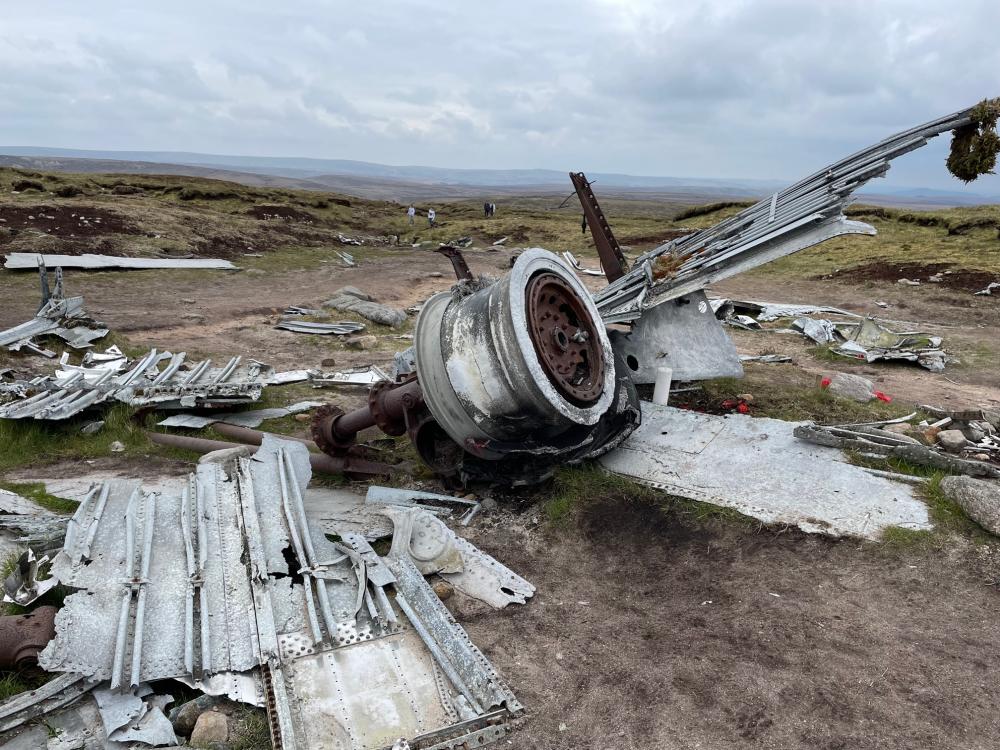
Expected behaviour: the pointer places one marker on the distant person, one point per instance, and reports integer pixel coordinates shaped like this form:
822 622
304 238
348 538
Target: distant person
493 209
486 210
431 216
411 212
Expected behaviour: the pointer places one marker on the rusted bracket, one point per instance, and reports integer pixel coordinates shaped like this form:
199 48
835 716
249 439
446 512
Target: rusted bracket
462 272
608 249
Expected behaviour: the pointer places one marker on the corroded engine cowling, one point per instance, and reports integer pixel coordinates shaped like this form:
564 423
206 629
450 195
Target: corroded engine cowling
522 367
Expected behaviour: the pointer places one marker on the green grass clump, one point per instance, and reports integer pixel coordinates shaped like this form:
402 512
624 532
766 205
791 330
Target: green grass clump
574 488
27 442
252 731
36 491
784 392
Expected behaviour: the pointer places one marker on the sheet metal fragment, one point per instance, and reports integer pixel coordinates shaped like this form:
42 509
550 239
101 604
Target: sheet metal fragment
758 467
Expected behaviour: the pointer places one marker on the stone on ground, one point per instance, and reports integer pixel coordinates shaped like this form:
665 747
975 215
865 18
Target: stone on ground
979 498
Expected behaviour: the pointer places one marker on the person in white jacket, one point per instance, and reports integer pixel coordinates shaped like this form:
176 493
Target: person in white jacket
431 216
411 212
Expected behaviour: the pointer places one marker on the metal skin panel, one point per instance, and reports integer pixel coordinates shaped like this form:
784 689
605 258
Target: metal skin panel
20 261
683 335
759 468
366 696
182 584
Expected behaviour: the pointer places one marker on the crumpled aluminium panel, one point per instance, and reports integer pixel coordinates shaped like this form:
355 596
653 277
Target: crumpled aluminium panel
758 467
177 384
59 316
352 650
793 219
422 538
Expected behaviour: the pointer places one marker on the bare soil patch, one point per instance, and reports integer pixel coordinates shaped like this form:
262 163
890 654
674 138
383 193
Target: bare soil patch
76 222
649 632
281 213
964 280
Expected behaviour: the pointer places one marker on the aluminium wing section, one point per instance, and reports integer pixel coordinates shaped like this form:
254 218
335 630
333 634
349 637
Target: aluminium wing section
793 219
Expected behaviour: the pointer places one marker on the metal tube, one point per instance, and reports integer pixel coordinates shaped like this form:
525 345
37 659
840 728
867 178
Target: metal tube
436 652
206 643
319 461
121 636
300 554
189 597
140 607
254 437
288 479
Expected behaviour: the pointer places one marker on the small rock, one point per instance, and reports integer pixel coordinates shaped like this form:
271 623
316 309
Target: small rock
951 440
328 362
981 429
352 291
189 301
500 241
184 716
435 274
303 417
117 447
443 589
362 342
851 386
488 504
908 282
979 498
747 397
901 428
211 731
92 428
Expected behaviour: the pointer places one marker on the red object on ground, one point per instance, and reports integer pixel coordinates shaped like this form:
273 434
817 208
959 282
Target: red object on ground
824 383
882 397
742 408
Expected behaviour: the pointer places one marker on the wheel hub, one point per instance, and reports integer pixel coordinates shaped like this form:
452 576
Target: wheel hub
566 342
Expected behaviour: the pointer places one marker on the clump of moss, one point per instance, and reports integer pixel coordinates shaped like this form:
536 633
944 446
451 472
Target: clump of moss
974 147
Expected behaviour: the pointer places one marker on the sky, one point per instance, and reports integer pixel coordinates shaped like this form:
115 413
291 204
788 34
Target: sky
765 89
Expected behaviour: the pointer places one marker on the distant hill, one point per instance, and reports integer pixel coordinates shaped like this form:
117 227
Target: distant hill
404 183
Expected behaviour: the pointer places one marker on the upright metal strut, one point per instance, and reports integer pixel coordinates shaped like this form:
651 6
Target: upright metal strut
608 249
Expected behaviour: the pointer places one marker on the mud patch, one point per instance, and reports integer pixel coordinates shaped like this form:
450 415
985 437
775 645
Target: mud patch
655 239
958 279
61 221
281 213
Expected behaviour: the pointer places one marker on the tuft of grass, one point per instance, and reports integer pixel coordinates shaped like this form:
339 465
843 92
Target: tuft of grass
784 392
36 491
12 684
576 487
900 539
252 731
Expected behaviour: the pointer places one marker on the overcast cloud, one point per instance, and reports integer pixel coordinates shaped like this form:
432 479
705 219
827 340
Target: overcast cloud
763 89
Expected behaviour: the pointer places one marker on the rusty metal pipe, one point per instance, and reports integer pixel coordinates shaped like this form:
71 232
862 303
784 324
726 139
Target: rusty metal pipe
320 461
335 431
255 437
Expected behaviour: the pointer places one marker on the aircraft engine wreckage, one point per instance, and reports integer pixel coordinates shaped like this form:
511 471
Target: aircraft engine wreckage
514 376
517 375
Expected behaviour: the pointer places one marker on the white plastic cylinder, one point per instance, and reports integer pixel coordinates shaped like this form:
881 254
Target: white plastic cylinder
661 388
